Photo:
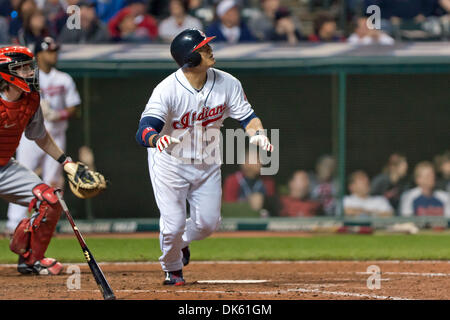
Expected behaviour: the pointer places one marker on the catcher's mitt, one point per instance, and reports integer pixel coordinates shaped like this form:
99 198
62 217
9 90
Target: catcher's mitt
83 182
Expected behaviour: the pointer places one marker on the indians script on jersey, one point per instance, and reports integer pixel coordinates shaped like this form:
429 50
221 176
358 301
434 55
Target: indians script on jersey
207 115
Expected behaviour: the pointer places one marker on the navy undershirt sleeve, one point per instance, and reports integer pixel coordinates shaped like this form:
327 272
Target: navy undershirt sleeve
246 121
148 126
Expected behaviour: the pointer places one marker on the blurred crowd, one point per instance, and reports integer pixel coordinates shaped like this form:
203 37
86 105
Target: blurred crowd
232 21
395 191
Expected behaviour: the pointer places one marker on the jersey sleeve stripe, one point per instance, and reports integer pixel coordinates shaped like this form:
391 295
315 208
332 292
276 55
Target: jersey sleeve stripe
247 120
248 114
149 114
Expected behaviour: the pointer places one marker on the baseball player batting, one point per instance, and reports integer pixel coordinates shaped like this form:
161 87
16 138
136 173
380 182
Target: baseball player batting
194 97
20 112
59 99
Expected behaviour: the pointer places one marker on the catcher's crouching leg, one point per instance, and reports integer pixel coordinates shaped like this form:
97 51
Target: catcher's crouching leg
32 236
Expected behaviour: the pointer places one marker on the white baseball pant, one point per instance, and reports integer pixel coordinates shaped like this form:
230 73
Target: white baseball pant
174 183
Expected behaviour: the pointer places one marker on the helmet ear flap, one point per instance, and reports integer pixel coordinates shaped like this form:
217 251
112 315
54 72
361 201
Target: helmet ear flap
193 59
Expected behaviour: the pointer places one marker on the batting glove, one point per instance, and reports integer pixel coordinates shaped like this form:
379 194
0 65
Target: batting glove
261 140
165 141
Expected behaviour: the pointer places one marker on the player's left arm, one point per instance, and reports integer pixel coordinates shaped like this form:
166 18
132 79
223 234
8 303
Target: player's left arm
36 131
255 130
47 144
241 110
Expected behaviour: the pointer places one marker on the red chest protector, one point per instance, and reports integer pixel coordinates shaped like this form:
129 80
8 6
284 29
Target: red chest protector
14 118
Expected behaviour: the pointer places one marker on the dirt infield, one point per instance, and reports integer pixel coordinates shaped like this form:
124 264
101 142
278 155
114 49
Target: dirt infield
284 280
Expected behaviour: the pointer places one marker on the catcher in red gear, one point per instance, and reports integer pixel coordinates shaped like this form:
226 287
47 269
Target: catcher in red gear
20 112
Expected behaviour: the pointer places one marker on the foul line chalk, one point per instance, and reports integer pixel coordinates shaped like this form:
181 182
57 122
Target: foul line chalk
232 281
277 292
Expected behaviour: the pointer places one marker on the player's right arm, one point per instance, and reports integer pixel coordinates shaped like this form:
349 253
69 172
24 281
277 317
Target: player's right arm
71 101
148 134
152 121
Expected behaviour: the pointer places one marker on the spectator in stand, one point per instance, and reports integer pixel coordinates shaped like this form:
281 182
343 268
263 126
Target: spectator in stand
393 181
24 9
425 200
230 28
195 4
34 27
362 35
129 31
441 8
324 185
106 9
325 29
178 21
360 203
4 37
299 202
248 185
93 30
443 168
285 28
56 16
202 10
68 3
133 23
263 24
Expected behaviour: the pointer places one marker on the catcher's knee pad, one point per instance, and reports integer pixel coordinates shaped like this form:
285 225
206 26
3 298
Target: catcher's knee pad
32 236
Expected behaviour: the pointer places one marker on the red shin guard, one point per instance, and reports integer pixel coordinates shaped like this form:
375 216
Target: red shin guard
32 236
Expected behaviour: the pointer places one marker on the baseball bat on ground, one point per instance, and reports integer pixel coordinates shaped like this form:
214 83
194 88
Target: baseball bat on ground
102 283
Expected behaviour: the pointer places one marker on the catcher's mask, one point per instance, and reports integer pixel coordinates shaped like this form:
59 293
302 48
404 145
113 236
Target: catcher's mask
18 67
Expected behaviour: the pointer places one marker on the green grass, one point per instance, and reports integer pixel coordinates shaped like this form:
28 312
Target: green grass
330 247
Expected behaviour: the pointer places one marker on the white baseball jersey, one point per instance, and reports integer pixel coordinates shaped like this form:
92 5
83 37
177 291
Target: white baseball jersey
184 110
414 203
378 204
59 89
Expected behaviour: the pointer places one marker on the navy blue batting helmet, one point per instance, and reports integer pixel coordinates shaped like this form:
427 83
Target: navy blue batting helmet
183 47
